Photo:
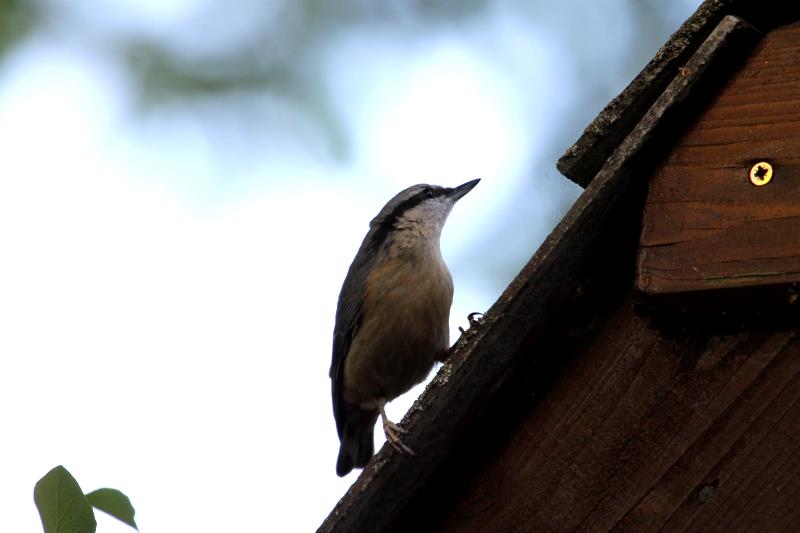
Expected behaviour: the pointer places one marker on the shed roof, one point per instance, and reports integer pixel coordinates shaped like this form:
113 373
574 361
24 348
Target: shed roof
603 135
586 262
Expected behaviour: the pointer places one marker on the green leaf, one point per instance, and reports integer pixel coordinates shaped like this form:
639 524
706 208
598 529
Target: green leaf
115 503
62 505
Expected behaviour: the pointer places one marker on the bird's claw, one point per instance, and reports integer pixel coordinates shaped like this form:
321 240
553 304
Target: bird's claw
474 321
391 426
393 432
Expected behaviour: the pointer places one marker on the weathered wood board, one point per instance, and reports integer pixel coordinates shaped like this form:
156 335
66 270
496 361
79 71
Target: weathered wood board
706 226
696 432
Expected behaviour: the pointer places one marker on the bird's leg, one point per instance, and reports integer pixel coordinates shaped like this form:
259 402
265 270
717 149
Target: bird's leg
393 431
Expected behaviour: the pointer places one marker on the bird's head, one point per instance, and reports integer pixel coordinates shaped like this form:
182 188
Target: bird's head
422 206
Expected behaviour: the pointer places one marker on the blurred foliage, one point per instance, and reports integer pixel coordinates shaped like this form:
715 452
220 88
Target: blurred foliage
281 52
165 78
280 58
17 19
280 55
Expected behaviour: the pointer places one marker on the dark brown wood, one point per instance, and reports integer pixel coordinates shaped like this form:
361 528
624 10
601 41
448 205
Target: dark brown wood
582 160
706 226
697 432
589 253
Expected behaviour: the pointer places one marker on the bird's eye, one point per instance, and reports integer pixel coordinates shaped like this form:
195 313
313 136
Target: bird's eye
428 193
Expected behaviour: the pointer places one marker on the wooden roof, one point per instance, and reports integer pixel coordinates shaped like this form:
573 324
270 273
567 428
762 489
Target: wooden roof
584 158
522 405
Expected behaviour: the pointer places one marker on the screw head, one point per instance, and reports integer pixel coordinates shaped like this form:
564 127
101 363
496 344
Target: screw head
761 173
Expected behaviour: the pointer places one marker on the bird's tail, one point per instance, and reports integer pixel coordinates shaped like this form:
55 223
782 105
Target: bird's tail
357 444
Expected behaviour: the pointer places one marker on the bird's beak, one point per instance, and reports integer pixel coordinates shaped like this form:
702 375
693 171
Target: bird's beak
457 192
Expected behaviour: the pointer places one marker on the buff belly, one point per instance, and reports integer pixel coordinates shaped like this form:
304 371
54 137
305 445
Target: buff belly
404 329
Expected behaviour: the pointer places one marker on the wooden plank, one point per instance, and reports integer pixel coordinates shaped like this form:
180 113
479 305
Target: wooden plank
581 161
589 253
706 226
646 431
586 156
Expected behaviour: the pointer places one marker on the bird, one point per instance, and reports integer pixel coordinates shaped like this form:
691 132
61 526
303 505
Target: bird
392 317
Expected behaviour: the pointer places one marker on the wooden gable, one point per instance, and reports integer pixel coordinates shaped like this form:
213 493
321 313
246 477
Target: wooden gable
707 225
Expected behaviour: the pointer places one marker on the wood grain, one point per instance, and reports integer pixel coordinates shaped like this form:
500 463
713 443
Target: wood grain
705 225
699 432
586 156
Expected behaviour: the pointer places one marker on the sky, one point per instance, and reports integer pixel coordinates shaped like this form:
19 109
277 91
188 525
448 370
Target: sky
169 278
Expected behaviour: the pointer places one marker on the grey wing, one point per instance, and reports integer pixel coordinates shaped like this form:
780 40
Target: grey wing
348 319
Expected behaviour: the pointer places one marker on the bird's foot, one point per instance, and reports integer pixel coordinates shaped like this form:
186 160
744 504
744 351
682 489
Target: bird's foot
474 321
393 432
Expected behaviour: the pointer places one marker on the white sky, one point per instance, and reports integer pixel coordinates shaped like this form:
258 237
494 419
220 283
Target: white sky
171 339
178 351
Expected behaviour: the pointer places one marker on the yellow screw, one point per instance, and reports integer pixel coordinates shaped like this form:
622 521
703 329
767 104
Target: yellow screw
761 173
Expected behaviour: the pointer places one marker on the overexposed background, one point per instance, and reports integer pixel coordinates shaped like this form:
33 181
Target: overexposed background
184 184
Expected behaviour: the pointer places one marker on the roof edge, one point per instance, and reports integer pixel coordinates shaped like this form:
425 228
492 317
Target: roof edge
581 161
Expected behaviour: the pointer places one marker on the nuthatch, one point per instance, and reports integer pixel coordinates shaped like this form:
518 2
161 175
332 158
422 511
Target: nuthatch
392 317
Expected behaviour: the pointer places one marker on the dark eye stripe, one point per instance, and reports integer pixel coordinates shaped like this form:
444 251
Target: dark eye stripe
382 231
411 203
